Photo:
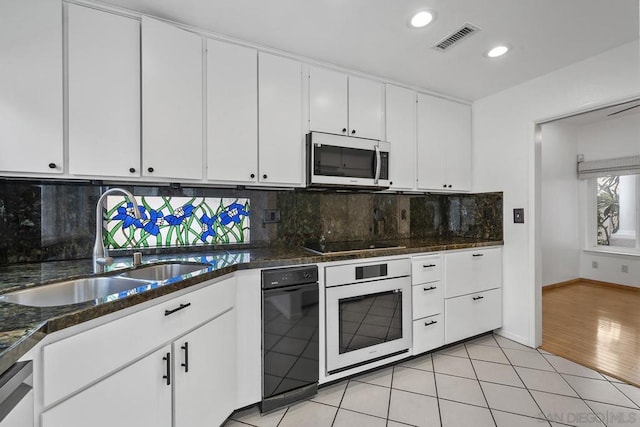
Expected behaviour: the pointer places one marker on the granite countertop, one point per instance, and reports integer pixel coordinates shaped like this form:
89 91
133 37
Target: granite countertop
22 327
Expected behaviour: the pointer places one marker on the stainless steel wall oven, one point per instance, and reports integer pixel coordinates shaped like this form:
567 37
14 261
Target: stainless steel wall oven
368 312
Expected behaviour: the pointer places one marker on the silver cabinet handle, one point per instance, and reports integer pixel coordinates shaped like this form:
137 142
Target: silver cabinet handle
377 177
433 322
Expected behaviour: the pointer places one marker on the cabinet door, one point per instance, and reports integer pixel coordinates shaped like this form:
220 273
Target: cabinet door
327 101
138 395
31 86
431 170
471 315
428 333
281 140
171 101
20 415
205 378
472 271
232 112
459 146
365 108
401 133
104 93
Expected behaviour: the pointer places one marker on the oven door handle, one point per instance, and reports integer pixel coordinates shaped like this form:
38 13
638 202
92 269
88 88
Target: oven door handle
376 165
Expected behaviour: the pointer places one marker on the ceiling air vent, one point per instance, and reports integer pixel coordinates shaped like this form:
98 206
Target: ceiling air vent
451 40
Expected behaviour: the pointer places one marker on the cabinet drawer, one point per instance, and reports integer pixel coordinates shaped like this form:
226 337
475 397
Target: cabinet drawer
426 269
428 333
427 299
472 314
472 271
81 359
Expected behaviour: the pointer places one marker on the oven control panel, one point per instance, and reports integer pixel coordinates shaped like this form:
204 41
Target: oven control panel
289 276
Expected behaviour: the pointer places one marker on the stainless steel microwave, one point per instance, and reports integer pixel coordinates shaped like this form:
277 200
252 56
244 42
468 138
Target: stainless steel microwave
346 162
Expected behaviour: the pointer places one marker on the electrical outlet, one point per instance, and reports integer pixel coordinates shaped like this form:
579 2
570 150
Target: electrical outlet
625 268
271 216
594 264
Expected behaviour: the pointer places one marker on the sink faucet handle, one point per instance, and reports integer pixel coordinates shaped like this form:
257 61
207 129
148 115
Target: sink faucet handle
137 258
104 260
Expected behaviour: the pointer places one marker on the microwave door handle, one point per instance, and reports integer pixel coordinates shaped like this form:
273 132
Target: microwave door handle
377 165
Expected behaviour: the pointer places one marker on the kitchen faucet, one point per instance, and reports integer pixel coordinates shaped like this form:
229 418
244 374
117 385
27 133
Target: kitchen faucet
101 257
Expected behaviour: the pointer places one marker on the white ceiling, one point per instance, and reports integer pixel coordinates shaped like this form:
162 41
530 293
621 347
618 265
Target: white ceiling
372 36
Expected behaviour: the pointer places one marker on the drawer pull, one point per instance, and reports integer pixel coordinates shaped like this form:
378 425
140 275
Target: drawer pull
428 265
433 322
168 312
477 298
167 377
185 347
477 255
430 288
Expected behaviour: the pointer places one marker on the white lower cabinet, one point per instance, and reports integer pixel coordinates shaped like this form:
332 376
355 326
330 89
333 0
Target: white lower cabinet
20 415
134 396
428 333
205 373
472 314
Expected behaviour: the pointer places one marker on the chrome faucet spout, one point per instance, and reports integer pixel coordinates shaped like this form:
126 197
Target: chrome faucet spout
100 253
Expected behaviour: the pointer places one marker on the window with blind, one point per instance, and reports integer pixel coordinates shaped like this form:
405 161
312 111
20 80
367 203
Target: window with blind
614 190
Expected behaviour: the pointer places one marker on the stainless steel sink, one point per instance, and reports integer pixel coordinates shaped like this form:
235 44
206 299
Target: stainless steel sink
163 272
72 291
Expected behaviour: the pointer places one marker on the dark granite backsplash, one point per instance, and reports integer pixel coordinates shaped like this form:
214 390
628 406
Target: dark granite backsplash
50 221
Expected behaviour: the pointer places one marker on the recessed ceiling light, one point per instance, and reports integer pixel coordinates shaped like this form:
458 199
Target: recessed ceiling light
421 19
498 51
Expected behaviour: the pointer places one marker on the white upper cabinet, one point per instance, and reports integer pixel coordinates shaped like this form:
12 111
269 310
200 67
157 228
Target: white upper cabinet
232 112
328 108
171 101
365 108
104 93
401 134
31 137
444 144
281 139
344 105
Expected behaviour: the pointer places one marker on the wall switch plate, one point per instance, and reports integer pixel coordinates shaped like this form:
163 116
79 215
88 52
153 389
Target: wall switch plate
271 216
518 216
594 264
625 268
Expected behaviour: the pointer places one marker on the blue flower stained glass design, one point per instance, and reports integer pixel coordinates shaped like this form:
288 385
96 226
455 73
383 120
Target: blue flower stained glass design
176 221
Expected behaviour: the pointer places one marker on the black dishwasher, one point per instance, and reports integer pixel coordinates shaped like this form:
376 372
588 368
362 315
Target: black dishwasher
290 352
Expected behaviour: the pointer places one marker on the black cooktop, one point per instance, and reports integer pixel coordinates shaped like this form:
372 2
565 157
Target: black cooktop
326 248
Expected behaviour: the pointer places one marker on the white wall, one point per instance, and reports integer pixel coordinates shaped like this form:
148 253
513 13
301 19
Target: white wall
560 230
504 133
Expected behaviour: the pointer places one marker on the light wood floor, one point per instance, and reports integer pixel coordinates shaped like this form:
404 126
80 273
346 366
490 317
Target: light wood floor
595 325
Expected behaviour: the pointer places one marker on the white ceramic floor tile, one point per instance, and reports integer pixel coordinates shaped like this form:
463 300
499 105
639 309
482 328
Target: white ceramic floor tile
565 366
565 409
366 398
423 362
486 353
510 399
352 419
507 343
332 394
552 382
451 365
613 415
414 380
457 350
309 414
497 373
544 351
528 359
380 377
252 416
393 424
598 390
484 340
234 423
461 390
613 380
505 419
414 409
459 414
631 391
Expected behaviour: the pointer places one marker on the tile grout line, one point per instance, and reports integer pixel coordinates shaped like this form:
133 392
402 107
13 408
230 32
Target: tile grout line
480 385
393 371
435 385
339 403
525 385
572 388
625 395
